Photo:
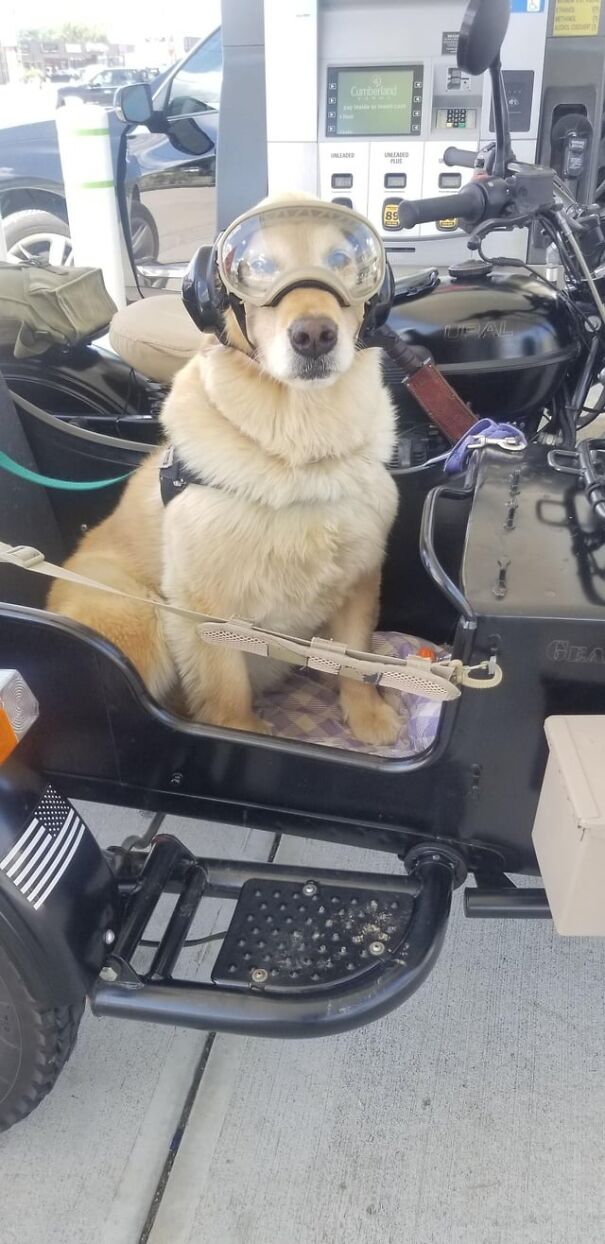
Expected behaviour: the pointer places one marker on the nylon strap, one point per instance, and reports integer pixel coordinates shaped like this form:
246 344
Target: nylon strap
432 680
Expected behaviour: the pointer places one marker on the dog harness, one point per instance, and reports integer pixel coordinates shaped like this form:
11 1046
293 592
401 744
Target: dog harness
175 476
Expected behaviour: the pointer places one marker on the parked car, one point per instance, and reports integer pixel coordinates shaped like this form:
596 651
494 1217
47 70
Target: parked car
62 75
171 192
100 87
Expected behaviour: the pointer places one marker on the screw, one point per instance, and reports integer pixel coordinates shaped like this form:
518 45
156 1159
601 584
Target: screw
500 587
108 974
510 515
376 948
109 937
258 976
176 779
476 780
309 889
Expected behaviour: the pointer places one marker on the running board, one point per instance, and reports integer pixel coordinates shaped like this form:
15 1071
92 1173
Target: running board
309 952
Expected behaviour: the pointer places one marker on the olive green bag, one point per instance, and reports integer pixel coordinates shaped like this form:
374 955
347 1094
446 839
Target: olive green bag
42 306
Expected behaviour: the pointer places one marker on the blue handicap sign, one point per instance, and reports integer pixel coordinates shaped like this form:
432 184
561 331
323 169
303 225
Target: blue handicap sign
527 6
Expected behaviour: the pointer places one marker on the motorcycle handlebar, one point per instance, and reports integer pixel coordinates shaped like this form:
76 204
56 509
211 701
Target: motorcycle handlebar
453 156
469 204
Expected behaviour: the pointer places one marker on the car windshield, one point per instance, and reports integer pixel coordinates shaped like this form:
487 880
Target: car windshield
197 85
89 73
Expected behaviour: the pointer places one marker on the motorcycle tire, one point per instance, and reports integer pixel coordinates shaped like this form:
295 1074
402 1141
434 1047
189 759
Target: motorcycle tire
35 1043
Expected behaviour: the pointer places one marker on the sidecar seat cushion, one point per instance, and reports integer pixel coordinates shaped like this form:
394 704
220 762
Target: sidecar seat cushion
156 336
307 708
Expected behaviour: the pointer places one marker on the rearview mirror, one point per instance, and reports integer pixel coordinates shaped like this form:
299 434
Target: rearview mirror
482 34
187 136
135 103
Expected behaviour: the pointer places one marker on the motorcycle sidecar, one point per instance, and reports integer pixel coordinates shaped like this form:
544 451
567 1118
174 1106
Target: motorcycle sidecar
502 564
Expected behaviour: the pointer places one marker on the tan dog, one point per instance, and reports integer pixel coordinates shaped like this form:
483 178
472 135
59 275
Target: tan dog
288 532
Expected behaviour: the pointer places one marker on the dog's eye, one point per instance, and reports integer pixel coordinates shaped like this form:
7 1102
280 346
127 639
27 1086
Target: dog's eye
262 265
338 260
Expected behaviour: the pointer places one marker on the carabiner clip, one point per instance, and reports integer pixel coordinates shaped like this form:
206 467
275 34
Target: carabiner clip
510 443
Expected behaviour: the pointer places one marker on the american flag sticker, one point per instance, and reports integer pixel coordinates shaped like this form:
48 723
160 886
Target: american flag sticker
45 849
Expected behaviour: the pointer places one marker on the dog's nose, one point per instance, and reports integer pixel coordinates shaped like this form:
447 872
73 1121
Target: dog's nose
313 335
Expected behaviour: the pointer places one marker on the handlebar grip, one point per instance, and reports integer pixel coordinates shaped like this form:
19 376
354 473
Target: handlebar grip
453 156
469 204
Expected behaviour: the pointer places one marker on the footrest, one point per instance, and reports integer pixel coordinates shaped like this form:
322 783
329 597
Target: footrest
307 953
293 937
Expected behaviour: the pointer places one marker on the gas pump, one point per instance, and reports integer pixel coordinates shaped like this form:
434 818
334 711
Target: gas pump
573 97
363 100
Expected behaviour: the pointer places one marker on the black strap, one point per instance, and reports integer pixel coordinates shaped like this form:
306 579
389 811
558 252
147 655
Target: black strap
122 198
175 476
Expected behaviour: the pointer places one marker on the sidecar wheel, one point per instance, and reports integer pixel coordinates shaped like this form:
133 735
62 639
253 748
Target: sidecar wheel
35 1044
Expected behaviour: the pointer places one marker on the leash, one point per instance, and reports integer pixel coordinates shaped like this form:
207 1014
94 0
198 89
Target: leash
68 485
416 675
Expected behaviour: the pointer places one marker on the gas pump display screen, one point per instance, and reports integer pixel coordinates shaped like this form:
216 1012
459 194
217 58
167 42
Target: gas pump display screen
374 101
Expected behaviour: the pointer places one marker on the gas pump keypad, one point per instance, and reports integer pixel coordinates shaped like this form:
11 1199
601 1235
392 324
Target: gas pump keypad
456 118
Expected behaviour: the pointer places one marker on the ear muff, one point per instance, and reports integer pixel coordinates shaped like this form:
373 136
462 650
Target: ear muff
203 293
378 308
205 296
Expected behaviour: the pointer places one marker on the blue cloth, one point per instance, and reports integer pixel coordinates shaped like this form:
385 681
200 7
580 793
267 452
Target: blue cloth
457 458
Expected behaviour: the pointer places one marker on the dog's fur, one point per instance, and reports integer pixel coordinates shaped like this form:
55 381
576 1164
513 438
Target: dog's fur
289 534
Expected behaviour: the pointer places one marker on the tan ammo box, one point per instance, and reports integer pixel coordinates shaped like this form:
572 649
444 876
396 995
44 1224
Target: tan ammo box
569 829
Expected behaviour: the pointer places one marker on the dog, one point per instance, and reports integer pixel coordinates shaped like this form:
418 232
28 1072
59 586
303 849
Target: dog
290 427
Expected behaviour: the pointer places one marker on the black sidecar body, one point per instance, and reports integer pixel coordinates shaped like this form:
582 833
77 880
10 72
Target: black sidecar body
504 563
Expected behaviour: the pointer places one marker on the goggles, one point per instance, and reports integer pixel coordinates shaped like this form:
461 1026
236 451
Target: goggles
270 250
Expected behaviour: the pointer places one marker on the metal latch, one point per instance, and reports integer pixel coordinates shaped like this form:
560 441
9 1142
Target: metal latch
511 443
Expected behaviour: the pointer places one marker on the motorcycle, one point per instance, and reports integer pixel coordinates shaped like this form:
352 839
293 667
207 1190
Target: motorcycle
500 560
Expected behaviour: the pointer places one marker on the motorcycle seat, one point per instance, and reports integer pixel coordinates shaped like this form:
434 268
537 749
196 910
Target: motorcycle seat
156 336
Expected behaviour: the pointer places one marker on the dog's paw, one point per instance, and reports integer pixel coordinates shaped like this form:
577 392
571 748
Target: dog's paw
372 720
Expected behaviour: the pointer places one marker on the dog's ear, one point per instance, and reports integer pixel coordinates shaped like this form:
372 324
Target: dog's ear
199 292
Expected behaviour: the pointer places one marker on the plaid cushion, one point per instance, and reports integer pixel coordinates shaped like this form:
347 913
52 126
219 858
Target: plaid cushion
306 707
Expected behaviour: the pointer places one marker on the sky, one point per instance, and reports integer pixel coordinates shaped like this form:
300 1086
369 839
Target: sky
124 20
